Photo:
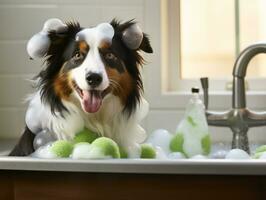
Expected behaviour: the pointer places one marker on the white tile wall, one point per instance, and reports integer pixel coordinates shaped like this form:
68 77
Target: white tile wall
12 122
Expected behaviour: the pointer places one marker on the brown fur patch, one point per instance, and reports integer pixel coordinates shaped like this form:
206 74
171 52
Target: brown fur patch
104 44
83 46
120 83
62 85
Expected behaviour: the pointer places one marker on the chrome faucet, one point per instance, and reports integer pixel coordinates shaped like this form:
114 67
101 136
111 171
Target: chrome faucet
239 119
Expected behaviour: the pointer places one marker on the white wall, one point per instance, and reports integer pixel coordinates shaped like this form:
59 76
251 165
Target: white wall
19 20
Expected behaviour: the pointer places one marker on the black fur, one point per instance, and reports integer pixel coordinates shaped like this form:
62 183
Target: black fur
55 59
25 145
132 60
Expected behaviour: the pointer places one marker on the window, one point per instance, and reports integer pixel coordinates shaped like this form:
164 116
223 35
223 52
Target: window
167 93
203 38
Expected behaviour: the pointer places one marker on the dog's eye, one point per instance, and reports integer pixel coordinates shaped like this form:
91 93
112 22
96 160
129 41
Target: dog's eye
110 56
78 56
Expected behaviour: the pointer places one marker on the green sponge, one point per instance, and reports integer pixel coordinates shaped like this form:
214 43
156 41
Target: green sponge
85 136
147 151
106 147
62 148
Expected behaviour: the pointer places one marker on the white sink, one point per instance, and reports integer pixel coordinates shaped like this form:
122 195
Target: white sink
181 166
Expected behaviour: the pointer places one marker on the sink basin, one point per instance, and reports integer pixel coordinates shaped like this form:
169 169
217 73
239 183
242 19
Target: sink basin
149 166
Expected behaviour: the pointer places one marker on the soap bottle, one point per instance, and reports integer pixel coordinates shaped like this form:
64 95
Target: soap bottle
192 135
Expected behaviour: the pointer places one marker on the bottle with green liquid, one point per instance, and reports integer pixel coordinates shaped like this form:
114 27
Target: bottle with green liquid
192 136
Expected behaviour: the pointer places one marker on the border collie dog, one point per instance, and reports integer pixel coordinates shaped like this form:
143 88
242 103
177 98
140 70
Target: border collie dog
91 79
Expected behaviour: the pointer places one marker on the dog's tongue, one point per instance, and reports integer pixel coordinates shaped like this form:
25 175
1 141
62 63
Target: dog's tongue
91 101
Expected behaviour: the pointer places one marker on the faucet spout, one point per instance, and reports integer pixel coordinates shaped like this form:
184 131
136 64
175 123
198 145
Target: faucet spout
239 73
239 119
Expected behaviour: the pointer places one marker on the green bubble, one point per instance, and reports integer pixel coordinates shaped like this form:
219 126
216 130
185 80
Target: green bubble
147 151
85 136
206 144
257 155
261 149
107 146
176 144
62 148
123 153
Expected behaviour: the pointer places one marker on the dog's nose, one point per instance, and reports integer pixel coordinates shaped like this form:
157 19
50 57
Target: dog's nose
94 79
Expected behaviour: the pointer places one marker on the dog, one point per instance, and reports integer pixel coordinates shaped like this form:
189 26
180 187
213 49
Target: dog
91 78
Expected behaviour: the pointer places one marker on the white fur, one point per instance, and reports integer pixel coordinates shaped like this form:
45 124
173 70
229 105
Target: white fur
93 63
39 117
109 121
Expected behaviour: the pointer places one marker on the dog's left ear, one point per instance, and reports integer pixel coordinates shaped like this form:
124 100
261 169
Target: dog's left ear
135 39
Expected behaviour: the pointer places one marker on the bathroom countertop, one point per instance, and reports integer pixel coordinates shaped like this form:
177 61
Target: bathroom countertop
142 166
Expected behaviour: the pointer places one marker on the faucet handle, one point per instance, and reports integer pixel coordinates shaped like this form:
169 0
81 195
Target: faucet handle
204 82
205 86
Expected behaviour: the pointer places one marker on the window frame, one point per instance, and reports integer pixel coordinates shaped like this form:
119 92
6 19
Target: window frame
154 72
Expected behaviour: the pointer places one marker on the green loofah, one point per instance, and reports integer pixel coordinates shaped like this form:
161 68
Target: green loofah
176 144
206 144
106 146
85 136
62 148
147 151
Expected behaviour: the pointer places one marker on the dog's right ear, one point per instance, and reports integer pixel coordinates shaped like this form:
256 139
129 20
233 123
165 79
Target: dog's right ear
135 39
39 44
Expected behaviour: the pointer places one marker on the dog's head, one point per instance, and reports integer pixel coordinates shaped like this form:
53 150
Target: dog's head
90 63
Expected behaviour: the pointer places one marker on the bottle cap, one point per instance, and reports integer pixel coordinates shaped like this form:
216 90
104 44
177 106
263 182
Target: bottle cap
195 90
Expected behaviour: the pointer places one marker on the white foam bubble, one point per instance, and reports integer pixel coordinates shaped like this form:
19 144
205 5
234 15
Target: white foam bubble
263 156
81 151
54 24
42 138
160 153
176 155
161 138
199 157
44 152
97 153
237 154
38 45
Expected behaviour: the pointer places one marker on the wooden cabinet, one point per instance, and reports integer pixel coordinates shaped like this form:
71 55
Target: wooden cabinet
36 185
